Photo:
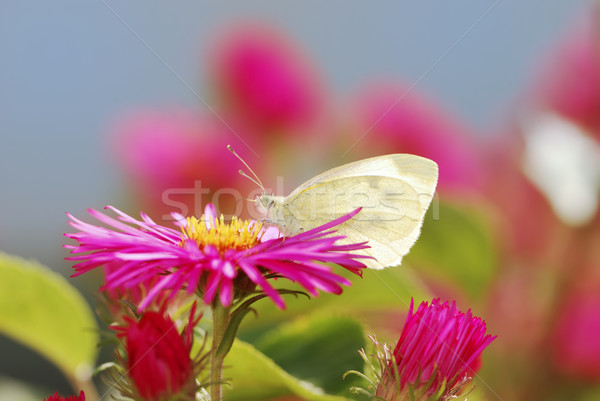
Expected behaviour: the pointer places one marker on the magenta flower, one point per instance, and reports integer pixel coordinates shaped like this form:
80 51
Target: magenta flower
575 346
264 80
216 259
390 118
438 352
56 397
118 311
570 77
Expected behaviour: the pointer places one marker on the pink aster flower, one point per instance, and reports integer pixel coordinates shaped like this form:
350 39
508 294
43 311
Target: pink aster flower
56 397
119 311
438 352
219 260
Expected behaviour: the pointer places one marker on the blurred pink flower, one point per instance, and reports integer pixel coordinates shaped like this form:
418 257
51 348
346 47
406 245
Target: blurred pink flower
218 260
262 77
392 119
519 287
575 342
179 159
570 78
526 223
438 352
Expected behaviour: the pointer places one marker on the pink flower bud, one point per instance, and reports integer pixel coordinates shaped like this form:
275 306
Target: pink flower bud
57 397
438 351
158 358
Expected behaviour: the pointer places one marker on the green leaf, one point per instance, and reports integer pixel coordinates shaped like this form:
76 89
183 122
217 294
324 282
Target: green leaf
379 300
477 393
255 377
40 309
16 391
318 349
457 247
588 394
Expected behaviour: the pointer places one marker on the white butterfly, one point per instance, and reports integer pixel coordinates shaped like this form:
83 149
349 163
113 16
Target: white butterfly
394 192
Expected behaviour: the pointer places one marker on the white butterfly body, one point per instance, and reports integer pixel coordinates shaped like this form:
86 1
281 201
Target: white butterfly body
394 192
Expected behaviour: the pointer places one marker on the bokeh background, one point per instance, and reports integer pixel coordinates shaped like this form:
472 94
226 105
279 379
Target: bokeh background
111 102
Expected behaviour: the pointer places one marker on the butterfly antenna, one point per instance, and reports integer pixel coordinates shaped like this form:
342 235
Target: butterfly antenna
243 174
255 180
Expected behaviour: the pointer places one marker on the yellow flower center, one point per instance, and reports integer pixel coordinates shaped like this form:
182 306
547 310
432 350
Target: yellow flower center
237 234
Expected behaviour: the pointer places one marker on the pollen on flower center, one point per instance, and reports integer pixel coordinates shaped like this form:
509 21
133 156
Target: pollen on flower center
237 234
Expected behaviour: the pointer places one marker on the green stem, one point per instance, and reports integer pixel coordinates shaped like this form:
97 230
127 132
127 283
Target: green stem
88 387
220 322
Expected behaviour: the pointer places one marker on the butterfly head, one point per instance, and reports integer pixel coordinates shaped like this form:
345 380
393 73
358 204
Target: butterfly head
264 204
271 208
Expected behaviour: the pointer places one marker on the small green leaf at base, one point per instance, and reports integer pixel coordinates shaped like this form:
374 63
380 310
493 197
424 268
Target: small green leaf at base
255 377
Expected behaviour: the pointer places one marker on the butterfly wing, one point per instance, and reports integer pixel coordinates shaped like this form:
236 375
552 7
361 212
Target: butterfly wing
417 171
394 192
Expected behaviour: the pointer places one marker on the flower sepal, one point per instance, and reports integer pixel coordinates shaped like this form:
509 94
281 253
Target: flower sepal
384 384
